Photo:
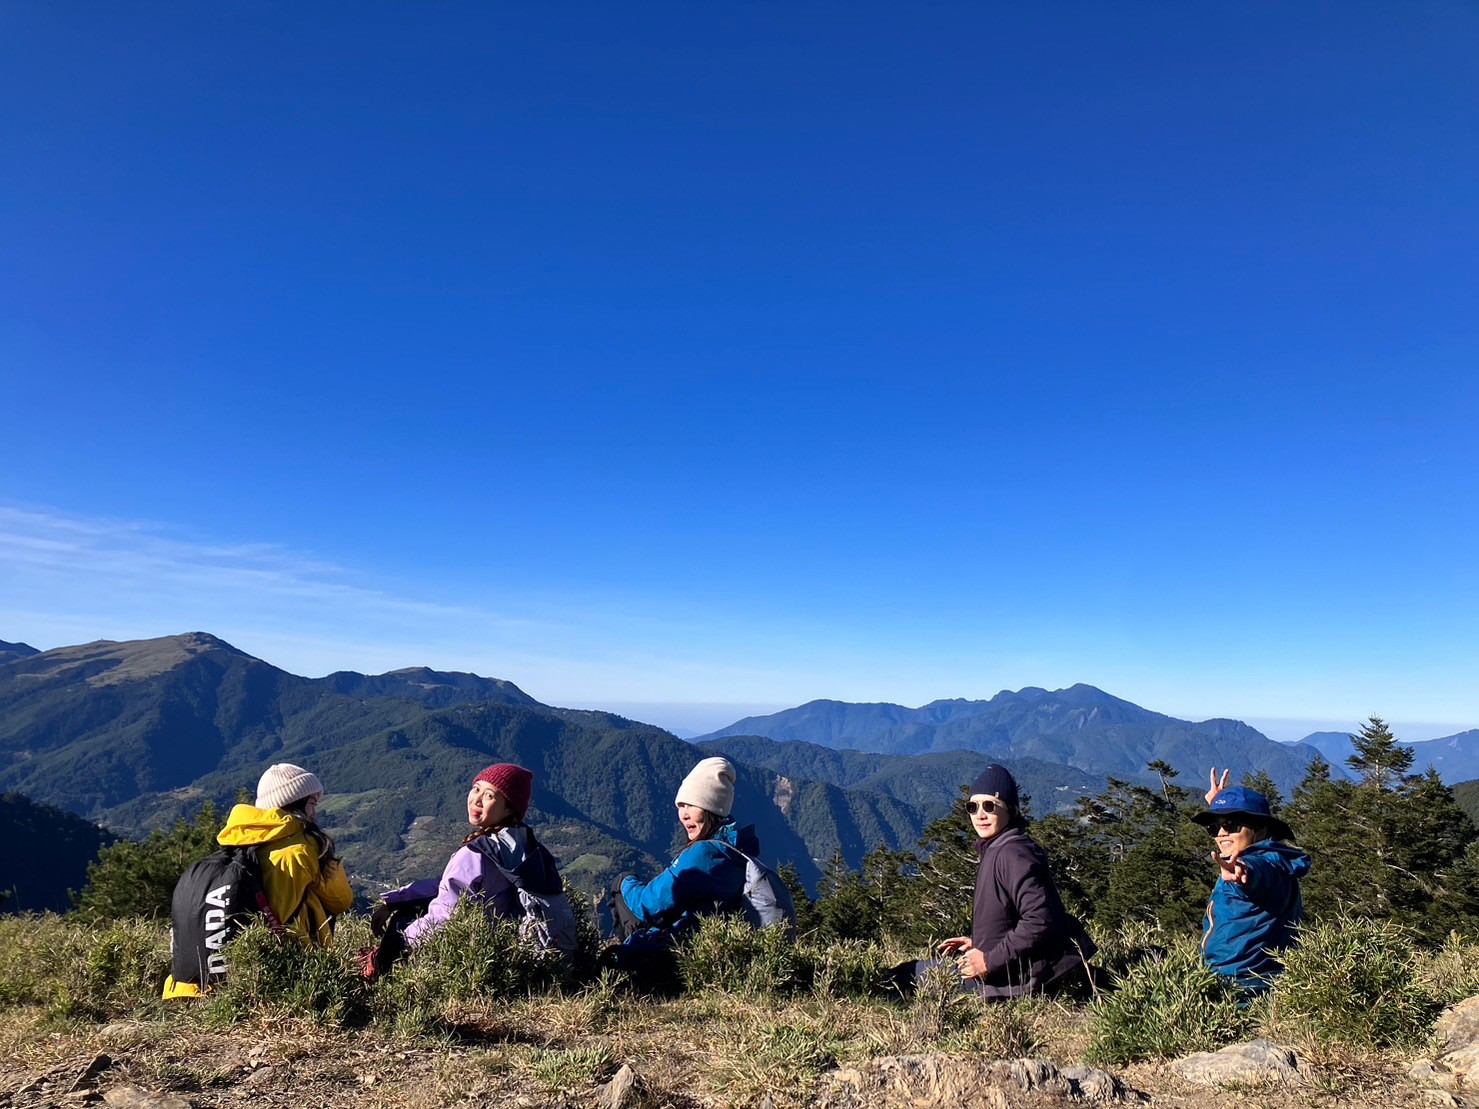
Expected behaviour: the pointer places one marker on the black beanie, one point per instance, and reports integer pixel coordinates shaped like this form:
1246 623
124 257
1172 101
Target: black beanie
996 781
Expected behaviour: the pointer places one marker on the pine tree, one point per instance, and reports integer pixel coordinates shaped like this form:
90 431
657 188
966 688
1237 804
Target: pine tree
1381 761
1404 851
1260 781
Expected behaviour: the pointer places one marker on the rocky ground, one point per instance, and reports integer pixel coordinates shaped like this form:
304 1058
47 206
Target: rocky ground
683 1054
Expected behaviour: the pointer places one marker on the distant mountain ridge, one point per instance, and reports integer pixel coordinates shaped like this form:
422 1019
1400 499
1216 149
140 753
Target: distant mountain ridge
134 734
1455 757
930 782
138 733
1080 727
10 651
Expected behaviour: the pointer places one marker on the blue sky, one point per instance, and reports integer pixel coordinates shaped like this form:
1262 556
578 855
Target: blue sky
673 355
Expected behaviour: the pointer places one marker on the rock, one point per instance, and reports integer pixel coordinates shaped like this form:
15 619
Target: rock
940 1080
1443 1097
131 1097
1457 1072
1427 1072
1093 1084
1036 1074
260 1077
89 1075
1256 1063
626 1090
1459 1025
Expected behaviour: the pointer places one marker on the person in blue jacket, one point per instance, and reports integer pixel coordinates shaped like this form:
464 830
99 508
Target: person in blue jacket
708 876
1256 905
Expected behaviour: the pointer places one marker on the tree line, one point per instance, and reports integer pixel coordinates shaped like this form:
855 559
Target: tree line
1388 846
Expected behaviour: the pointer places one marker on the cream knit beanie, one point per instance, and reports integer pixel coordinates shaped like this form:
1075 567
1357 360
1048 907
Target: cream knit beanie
285 783
710 786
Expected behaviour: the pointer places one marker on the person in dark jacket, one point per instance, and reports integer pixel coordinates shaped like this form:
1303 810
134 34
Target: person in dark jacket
1256 904
708 875
1022 939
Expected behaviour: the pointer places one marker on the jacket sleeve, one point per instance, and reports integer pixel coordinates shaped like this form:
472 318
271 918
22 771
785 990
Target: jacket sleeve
692 881
463 876
1025 884
1268 878
333 889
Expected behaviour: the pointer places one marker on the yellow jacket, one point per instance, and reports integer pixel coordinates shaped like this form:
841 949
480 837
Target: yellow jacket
291 878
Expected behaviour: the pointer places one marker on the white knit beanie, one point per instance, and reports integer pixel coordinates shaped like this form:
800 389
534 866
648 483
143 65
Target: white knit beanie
285 783
710 786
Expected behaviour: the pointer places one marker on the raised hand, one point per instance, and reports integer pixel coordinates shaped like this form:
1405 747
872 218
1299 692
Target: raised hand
1217 785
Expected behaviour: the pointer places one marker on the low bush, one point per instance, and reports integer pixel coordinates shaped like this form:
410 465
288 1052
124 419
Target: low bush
72 970
471 958
941 1008
1451 973
269 976
1164 1006
847 968
725 953
1354 982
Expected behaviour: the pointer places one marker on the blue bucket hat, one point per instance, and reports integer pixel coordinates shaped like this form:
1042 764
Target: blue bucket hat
1242 801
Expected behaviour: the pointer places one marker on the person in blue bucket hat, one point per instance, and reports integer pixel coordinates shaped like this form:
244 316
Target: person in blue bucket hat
1256 905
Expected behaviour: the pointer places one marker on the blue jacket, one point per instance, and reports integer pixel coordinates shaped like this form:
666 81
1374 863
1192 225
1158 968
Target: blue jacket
706 877
1246 924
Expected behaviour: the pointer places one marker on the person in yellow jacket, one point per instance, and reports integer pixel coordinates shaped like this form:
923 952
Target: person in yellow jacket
303 879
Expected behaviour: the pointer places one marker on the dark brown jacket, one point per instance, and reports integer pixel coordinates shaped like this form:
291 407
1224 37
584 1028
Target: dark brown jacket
1019 922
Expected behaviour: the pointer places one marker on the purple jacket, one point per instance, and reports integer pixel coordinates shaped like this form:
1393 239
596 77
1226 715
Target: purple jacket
1019 923
480 870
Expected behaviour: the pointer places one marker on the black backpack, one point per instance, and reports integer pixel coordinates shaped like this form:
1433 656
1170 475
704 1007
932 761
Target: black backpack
213 901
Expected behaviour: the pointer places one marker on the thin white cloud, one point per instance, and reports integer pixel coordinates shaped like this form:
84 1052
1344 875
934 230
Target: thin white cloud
67 579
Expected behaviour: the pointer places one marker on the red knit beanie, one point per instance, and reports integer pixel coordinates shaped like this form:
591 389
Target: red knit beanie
513 782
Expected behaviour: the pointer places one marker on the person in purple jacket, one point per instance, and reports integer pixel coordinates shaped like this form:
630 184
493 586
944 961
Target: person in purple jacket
500 865
1022 939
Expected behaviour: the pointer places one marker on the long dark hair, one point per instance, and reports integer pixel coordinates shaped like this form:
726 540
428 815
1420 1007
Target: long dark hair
513 822
322 842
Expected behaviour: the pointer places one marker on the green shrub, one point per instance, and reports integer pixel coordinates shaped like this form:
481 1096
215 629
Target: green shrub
1354 982
727 954
846 968
472 957
137 878
1450 974
272 977
75 971
1164 1006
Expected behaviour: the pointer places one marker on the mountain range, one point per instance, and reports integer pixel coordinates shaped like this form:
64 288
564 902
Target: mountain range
135 734
1080 728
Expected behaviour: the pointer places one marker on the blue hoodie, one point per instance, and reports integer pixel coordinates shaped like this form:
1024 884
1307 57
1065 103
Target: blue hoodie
1247 924
705 877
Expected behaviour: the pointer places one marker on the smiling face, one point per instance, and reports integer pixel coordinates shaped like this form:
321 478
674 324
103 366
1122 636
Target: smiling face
694 820
1231 844
487 808
987 823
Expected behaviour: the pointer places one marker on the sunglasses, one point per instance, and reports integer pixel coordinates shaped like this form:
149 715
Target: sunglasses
987 807
1231 827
